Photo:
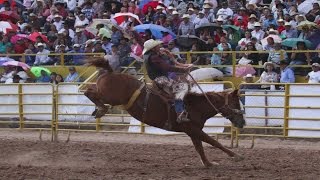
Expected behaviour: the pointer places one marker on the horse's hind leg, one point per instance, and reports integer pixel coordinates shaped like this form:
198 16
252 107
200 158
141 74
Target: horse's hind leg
199 148
93 96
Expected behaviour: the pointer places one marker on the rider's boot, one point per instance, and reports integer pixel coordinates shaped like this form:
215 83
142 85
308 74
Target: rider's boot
182 117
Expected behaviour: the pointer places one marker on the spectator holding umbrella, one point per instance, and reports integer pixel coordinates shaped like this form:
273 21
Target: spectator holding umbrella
44 78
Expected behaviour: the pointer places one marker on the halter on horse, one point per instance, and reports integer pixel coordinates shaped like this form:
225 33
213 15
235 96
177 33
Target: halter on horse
122 89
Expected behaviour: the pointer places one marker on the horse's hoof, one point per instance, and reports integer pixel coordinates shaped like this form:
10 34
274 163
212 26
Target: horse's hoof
101 112
94 112
238 158
210 164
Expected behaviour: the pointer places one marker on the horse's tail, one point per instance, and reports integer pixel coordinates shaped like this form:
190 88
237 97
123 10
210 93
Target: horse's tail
99 62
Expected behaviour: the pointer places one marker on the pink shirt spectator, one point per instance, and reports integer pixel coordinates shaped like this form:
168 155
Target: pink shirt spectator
136 49
166 39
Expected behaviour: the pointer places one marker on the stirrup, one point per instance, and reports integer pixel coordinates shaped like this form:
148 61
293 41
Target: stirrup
183 117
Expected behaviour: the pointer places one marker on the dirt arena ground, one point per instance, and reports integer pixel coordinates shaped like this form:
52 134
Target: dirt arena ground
123 156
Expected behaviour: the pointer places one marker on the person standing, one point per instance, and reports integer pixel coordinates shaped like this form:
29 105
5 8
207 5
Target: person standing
314 75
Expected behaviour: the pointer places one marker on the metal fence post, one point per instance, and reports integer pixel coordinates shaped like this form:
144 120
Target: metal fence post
20 97
286 110
234 62
62 59
188 57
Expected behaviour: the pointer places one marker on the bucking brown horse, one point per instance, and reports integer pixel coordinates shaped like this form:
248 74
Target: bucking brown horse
152 109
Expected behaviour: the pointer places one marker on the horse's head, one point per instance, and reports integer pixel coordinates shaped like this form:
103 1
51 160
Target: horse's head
232 109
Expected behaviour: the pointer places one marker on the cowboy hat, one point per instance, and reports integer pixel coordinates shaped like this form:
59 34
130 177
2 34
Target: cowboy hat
248 76
207 6
257 24
159 7
316 64
253 16
150 44
40 44
175 12
251 4
268 63
287 24
186 16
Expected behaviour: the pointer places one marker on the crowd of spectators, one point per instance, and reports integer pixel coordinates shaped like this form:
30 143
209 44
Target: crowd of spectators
256 25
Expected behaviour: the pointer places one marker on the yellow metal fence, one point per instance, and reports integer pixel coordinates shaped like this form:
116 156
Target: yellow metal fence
286 111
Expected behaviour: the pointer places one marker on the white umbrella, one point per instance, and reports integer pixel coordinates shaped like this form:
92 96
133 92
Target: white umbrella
306 6
108 23
205 73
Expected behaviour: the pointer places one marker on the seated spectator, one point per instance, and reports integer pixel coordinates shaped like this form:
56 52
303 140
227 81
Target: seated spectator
300 57
4 44
102 31
114 59
247 79
186 26
106 44
98 47
254 57
31 50
242 43
53 76
256 43
314 75
21 73
42 57
73 76
287 75
15 79
268 76
166 38
275 55
7 74
216 57
175 50
270 44
59 79
77 59
257 32
81 21
124 51
223 40
289 32
199 21
233 37
80 37
44 78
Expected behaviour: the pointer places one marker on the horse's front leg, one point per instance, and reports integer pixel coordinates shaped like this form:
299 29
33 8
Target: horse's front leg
101 110
199 148
202 136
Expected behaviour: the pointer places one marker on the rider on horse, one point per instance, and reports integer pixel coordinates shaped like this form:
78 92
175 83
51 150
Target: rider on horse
162 69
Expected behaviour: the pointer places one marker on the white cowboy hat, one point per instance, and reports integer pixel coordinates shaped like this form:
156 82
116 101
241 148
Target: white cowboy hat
248 76
268 63
316 64
159 7
253 16
251 4
186 16
175 12
207 6
220 18
257 24
150 44
190 9
280 20
273 31
40 44
171 8
287 24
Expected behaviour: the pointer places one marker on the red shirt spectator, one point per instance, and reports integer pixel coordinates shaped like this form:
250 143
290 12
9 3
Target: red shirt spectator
19 47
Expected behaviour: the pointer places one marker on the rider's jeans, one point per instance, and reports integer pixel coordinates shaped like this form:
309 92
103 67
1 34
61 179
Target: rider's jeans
178 105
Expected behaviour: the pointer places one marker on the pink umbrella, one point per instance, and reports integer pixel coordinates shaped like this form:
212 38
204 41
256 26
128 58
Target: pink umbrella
6 26
276 38
242 70
18 37
17 63
119 17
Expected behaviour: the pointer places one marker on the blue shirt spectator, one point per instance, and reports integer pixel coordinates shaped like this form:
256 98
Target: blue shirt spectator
270 20
77 59
287 75
44 78
73 76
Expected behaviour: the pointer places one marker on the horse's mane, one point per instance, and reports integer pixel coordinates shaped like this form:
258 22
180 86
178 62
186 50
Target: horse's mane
99 62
